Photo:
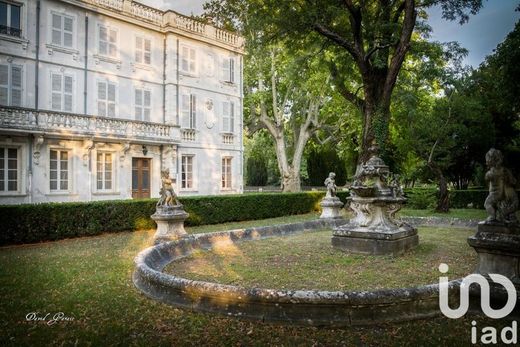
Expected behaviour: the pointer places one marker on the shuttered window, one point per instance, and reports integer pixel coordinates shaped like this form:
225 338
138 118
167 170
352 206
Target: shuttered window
143 51
226 173
143 101
228 117
62 30
11 85
189 111
106 99
228 70
61 92
188 60
187 172
107 41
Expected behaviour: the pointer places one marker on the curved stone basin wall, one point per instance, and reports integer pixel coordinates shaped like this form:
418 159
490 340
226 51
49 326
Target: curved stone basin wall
303 307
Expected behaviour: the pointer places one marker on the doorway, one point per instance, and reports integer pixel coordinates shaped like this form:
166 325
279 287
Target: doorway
141 178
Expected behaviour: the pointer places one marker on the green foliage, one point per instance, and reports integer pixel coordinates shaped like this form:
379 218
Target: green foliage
321 162
420 198
256 172
54 221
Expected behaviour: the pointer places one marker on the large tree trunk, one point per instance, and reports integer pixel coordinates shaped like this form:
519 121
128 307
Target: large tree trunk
291 180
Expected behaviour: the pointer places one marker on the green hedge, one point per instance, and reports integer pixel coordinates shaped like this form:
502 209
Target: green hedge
53 221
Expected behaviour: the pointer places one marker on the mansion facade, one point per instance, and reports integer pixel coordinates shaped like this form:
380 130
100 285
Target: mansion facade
98 96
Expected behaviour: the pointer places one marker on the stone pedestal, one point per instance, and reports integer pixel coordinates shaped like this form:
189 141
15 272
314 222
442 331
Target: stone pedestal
170 223
331 207
498 249
374 230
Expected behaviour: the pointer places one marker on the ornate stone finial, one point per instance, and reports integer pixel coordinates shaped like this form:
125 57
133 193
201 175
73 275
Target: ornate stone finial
330 183
168 196
502 202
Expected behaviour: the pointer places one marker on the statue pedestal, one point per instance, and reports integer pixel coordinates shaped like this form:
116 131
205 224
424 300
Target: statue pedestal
498 249
331 207
374 229
170 223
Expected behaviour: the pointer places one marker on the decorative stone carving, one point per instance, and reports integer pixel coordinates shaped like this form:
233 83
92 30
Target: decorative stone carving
331 205
124 152
497 240
89 146
169 213
502 202
374 229
37 149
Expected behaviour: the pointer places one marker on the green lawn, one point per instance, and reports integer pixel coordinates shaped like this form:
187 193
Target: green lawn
308 261
89 279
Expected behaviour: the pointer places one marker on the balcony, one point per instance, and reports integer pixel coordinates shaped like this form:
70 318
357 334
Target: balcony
228 139
15 32
75 125
188 135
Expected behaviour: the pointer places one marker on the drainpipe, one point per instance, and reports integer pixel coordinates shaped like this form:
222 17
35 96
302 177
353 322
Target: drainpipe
164 79
85 83
178 89
242 123
37 64
30 168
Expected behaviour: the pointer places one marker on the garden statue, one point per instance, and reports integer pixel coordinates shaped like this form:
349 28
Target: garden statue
497 240
331 205
168 196
330 183
169 214
502 201
374 229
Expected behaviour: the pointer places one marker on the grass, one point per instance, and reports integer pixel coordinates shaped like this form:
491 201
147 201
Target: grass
466 213
89 280
308 261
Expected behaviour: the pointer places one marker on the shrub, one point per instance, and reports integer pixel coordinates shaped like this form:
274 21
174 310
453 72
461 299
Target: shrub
421 198
53 221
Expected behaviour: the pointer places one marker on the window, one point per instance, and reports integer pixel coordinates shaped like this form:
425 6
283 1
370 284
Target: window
226 173
62 30
59 170
228 70
106 99
143 51
189 111
8 169
104 171
10 85
61 90
143 100
228 117
10 23
187 172
188 60
107 41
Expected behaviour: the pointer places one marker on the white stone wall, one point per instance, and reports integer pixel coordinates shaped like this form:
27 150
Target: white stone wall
163 78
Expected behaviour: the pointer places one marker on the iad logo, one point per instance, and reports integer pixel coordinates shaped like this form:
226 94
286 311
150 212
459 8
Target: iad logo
508 335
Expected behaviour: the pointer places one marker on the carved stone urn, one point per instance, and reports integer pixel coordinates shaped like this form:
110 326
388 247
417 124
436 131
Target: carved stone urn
374 229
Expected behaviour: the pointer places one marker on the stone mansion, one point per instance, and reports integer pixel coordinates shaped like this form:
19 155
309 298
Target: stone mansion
98 96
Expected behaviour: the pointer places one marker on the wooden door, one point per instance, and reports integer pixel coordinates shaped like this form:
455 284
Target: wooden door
140 178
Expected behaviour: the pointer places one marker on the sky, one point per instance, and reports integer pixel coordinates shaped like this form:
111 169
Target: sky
480 35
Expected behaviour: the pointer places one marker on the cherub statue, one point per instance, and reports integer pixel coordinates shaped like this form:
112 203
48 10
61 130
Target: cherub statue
502 202
330 183
168 196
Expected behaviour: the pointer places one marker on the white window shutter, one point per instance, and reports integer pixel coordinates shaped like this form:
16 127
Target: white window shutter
111 96
231 117
185 111
67 31
4 84
16 86
193 109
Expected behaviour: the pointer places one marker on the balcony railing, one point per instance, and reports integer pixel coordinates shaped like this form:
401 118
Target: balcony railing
69 124
228 139
188 135
168 18
5 30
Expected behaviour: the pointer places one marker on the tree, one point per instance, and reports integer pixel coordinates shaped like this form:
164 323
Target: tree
370 41
285 90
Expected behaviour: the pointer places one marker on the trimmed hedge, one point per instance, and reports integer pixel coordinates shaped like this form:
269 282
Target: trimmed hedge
54 221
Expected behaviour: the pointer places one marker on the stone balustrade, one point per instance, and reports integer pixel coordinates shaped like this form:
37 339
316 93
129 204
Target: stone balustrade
169 18
228 139
58 123
188 135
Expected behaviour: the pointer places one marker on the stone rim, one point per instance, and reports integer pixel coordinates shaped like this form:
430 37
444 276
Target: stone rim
301 307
